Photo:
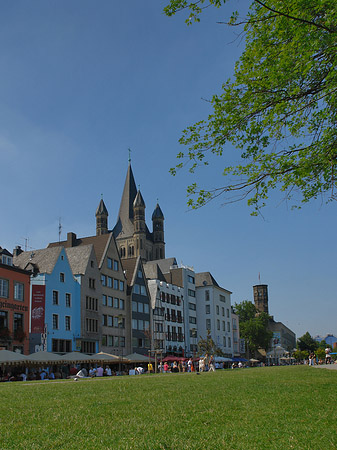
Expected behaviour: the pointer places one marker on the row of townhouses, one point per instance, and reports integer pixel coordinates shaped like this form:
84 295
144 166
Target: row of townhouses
114 292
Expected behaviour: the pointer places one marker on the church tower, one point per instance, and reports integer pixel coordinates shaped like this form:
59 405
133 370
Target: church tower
261 297
101 219
139 224
158 233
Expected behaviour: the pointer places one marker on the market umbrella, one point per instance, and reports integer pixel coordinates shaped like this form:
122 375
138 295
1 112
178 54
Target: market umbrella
106 357
8 358
76 357
45 358
137 358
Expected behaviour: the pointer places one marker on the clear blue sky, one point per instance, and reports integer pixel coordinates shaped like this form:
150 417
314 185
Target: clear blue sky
83 81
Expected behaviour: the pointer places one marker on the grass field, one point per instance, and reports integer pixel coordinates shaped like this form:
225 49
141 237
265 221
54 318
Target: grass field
244 409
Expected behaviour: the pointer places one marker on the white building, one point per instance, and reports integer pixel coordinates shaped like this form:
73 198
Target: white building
214 312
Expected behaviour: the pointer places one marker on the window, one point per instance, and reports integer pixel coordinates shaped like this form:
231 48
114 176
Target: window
223 326
115 265
4 288
3 319
110 341
140 307
207 296
208 309
68 300
18 321
121 303
55 322
104 300
116 341
146 308
192 319
228 326
62 277
223 311
67 323
121 286
208 324
104 339
92 283
18 291
140 274
217 309
110 282
134 306
116 302
110 301
229 342
110 321
105 320
136 289
55 298
135 324
218 324
103 280
140 324
142 290
109 263
122 341
224 341
191 293
227 312
222 298
190 279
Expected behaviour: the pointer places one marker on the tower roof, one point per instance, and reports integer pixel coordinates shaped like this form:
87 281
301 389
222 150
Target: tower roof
101 209
157 213
125 214
139 201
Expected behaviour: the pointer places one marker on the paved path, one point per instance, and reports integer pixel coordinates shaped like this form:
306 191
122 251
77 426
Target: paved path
327 366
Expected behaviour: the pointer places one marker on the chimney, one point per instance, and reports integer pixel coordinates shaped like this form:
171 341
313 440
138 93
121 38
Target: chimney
17 251
71 239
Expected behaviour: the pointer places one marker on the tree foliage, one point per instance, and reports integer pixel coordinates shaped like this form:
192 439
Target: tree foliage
280 108
207 346
253 326
306 342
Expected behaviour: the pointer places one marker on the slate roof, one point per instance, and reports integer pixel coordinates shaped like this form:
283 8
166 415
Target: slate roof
205 279
44 260
79 258
99 243
125 214
157 213
165 264
101 209
153 272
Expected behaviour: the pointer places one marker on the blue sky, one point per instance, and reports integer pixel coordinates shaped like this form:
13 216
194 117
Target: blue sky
83 81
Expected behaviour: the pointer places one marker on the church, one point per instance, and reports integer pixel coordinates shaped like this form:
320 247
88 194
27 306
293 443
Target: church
133 237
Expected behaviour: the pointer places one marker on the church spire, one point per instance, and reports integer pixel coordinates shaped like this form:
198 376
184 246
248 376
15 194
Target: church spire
101 218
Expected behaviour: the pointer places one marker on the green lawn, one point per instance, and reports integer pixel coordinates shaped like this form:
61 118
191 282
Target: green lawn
263 408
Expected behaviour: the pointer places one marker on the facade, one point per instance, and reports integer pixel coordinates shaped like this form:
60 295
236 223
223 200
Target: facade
109 289
139 299
55 305
214 312
14 305
168 312
237 343
84 266
132 235
261 297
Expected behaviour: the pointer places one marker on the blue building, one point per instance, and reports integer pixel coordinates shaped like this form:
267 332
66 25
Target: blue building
55 300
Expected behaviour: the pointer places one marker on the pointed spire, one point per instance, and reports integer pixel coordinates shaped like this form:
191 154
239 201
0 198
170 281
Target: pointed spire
101 208
139 201
157 213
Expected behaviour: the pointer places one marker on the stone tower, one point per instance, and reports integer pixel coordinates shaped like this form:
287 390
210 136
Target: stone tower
158 233
101 219
139 225
261 297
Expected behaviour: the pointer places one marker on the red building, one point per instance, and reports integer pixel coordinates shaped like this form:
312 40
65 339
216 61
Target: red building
14 305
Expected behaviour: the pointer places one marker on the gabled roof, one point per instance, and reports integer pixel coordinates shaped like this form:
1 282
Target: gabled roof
79 258
43 260
130 267
125 214
166 264
100 244
153 272
205 279
5 252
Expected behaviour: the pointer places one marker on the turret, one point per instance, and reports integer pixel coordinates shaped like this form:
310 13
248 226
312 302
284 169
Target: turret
101 219
158 233
261 297
139 225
